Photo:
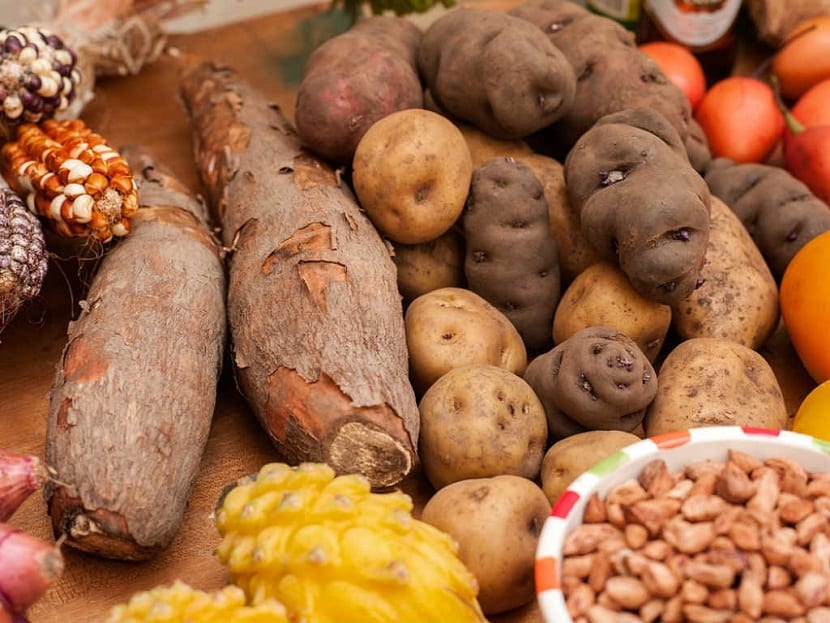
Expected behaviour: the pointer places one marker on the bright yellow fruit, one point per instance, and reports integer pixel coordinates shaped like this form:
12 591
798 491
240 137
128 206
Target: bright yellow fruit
813 415
331 550
179 602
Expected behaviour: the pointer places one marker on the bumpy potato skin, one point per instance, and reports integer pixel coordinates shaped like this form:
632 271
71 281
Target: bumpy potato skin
479 421
709 381
597 379
451 327
566 459
496 523
354 79
601 295
780 212
511 259
495 71
612 74
640 202
738 299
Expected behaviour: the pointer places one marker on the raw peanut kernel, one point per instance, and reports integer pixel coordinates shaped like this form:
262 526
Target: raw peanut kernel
737 541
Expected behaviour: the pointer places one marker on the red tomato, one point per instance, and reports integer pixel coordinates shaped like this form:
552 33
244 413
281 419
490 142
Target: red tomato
740 118
812 108
680 66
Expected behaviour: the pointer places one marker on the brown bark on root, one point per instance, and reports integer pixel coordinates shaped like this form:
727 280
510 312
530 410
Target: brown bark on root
315 315
134 394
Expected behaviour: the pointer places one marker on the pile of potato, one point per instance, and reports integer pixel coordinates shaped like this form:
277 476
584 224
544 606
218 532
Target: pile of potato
570 280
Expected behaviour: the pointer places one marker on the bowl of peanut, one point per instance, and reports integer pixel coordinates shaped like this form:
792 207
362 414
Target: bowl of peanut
721 524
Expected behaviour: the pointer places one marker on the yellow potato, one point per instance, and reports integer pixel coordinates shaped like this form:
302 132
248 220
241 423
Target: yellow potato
451 327
738 299
411 173
484 147
575 252
709 381
565 460
601 295
430 265
479 421
496 523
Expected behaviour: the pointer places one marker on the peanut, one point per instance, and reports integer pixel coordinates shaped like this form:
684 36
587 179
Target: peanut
737 541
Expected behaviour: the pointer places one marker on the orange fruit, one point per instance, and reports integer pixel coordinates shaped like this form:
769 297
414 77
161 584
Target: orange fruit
805 305
680 66
813 414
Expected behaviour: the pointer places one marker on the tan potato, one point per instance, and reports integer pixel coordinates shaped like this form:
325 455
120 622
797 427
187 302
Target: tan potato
601 295
568 458
738 299
411 174
451 327
496 523
575 252
479 421
484 147
430 265
709 381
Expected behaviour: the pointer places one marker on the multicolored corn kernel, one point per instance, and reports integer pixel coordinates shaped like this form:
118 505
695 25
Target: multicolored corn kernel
23 258
179 603
39 76
331 550
70 176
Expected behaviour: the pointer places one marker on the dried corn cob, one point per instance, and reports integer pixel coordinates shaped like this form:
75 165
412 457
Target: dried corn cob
331 550
179 602
72 177
38 75
23 258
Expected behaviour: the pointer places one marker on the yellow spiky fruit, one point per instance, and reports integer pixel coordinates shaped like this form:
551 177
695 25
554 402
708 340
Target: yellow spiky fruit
331 550
179 603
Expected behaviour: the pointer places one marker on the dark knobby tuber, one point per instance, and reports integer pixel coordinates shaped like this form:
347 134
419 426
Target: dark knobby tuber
640 203
496 71
511 258
597 379
779 211
612 74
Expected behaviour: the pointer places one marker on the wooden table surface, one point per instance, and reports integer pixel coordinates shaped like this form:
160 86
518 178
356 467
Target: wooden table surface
270 52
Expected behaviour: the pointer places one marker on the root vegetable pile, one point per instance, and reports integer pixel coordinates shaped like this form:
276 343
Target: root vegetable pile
133 398
315 315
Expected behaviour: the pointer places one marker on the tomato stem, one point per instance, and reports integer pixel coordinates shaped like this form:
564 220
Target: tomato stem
793 124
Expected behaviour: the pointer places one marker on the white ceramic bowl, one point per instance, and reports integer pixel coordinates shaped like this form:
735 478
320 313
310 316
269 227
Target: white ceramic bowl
677 449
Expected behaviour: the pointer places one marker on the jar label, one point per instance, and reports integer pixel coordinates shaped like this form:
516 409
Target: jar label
695 23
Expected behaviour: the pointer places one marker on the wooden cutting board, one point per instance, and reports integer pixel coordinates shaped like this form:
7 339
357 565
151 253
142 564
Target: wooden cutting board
270 52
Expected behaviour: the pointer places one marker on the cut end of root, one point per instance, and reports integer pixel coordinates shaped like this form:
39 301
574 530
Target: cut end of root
360 449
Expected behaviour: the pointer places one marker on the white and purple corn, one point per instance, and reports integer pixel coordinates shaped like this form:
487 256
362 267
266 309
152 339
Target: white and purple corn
39 76
23 258
70 176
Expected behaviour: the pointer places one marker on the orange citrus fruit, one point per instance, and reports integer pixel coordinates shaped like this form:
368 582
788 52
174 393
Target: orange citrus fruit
805 305
813 415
